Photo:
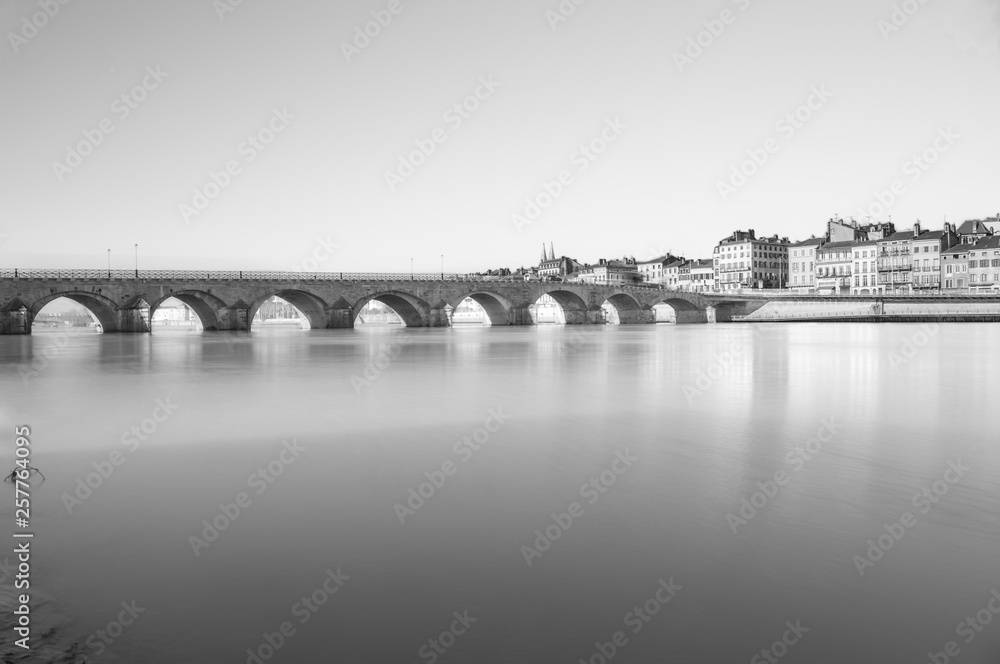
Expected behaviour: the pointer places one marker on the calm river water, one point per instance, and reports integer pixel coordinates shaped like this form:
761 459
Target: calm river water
617 464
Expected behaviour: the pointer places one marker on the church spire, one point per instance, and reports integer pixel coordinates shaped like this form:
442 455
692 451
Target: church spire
544 257
552 252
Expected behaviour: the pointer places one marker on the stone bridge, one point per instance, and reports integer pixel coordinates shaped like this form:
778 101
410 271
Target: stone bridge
124 301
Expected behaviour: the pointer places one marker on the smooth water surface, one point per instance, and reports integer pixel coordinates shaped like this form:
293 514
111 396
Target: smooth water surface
705 415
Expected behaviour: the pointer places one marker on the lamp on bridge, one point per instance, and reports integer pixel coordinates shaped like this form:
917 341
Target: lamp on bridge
137 260
109 263
442 267
411 269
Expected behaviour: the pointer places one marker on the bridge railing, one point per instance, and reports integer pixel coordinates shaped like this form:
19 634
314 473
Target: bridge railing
248 275
189 275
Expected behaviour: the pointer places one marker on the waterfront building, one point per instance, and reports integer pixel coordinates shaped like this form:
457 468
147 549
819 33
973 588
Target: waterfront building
984 264
655 271
955 268
865 269
673 272
927 247
607 271
834 261
745 261
697 276
895 260
802 263
974 230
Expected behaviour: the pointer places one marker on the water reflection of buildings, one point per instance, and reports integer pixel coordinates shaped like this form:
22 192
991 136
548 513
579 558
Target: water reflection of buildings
276 308
547 310
377 313
469 312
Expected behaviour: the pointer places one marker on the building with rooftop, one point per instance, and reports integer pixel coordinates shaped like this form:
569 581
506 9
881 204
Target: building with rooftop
834 262
802 263
745 261
955 268
551 267
927 247
984 264
697 276
655 271
865 270
974 230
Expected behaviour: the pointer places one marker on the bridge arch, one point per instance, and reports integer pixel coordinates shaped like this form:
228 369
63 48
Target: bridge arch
312 306
204 304
573 306
498 308
414 311
103 308
625 309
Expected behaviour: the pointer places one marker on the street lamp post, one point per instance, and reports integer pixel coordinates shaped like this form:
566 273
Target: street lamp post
442 267
411 269
137 260
109 263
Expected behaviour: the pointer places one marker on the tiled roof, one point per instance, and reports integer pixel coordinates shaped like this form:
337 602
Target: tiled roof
992 242
895 237
973 227
837 245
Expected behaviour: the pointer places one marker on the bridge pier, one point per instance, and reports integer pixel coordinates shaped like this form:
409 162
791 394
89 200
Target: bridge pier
691 316
438 317
579 317
636 317
339 315
234 319
15 318
133 317
520 316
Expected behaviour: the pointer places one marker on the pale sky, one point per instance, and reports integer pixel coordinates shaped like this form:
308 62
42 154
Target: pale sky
550 87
